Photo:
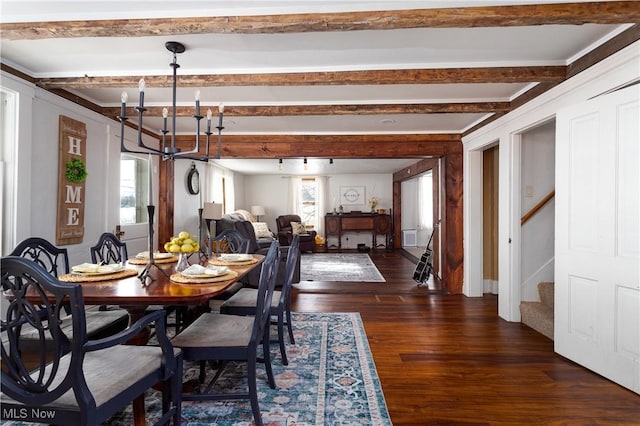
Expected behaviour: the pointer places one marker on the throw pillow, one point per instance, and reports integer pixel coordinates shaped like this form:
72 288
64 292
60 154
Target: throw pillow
247 215
261 229
298 228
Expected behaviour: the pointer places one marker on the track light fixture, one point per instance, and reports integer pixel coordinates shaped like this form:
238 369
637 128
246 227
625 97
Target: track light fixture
330 160
306 166
170 151
280 164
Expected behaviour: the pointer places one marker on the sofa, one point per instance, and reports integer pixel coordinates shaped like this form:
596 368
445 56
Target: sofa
285 232
247 228
257 245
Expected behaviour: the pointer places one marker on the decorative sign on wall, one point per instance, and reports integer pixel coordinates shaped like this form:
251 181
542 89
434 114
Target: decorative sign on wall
72 173
352 195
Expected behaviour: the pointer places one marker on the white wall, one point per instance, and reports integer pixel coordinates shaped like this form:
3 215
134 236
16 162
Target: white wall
272 192
37 176
410 190
185 207
537 235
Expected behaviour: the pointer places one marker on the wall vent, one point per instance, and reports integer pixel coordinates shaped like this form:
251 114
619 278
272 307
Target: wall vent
409 238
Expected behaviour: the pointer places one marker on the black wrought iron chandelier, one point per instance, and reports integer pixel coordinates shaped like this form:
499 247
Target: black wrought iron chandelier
168 149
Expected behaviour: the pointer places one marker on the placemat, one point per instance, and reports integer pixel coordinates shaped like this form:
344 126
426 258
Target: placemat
78 278
141 261
219 262
183 279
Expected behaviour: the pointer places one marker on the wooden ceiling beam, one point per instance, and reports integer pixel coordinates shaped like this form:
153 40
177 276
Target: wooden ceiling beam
577 13
335 78
334 146
300 110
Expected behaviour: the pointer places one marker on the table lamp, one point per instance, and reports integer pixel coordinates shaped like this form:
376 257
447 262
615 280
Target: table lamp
257 211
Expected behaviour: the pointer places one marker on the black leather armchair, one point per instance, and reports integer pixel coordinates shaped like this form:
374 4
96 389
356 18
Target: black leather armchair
285 233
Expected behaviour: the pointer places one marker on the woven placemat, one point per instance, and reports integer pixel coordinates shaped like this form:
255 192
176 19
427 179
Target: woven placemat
143 261
219 262
79 278
183 279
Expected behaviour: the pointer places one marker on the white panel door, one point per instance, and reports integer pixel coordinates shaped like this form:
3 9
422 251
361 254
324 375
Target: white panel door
597 273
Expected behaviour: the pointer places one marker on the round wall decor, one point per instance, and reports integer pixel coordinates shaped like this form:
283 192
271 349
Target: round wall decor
193 180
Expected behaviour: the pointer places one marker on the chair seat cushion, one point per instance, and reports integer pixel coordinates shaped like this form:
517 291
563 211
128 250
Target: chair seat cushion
247 297
213 330
108 373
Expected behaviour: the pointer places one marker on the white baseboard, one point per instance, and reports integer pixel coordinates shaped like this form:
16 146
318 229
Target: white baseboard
490 286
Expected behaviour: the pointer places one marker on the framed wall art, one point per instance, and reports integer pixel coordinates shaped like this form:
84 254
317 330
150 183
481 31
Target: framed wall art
352 195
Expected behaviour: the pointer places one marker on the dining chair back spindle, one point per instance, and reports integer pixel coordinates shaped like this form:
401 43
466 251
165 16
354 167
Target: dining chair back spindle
78 381
109 249
230 241
226 338
54 260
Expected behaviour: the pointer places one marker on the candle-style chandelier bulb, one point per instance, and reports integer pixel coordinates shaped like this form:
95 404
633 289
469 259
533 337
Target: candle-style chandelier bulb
168 149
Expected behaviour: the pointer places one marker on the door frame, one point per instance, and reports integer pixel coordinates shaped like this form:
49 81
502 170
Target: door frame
614 71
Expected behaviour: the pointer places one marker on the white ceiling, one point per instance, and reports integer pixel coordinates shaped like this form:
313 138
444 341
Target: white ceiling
234 53
315 166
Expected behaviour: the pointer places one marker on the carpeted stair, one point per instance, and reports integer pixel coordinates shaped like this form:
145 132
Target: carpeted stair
539 315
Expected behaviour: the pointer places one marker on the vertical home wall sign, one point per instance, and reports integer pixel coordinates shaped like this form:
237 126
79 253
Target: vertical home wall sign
72 173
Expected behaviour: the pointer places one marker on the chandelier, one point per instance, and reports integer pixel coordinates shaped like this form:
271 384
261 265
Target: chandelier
168 149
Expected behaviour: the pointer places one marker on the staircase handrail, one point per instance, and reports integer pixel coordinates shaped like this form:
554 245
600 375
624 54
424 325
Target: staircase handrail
537 207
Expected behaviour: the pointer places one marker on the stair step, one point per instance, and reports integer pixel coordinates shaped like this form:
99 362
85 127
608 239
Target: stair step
537 316
546 290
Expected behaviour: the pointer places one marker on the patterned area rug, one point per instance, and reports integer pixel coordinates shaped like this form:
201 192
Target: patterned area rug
339 267
330 380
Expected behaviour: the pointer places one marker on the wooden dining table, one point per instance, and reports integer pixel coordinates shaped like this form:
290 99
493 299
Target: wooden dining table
136 295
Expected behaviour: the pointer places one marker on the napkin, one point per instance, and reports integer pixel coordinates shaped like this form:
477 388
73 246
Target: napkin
156 255
201 270
96 268
235 256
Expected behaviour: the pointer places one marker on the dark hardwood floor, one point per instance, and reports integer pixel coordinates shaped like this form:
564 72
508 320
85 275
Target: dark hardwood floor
450 360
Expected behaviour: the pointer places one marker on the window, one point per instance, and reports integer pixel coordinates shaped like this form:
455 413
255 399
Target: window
8 164
134 190
425 197
307 199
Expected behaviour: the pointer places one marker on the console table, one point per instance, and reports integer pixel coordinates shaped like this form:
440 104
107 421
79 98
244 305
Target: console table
376 224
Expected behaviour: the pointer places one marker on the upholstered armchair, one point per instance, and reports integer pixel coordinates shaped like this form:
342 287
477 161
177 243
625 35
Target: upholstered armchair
286 231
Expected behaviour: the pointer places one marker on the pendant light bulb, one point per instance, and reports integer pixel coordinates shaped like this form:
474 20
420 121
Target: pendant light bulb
306 166
280 164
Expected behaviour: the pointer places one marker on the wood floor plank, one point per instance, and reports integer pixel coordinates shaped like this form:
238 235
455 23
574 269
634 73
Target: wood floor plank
450 360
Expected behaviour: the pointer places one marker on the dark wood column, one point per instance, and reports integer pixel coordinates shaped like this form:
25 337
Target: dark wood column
164 212
451 226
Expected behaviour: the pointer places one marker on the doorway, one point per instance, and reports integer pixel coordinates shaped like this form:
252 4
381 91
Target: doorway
490 174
